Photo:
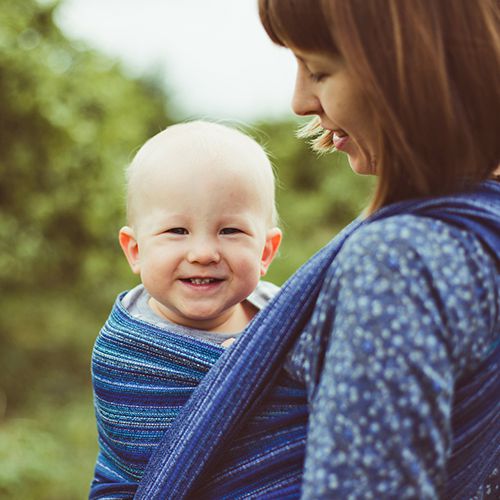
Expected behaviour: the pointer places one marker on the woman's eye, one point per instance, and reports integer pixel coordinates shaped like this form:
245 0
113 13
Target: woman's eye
177 230
317 77
230 230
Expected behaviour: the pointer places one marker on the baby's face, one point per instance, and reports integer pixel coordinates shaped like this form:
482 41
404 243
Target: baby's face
204 239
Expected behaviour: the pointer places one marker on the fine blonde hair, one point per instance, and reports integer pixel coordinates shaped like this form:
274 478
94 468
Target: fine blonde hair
212 140
429 71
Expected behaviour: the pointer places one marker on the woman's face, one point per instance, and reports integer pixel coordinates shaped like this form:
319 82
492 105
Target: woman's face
324 87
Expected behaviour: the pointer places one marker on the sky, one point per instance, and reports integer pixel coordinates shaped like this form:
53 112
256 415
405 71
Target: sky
214 55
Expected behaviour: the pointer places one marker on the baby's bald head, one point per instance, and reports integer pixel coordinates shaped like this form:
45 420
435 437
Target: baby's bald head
215 155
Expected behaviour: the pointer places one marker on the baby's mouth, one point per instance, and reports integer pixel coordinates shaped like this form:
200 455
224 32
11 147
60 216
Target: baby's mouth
200 281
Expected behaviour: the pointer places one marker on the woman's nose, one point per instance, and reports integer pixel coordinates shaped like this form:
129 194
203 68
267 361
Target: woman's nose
203 252
304 101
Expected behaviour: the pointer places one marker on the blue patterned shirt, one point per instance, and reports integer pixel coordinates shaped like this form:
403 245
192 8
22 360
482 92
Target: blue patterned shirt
414 305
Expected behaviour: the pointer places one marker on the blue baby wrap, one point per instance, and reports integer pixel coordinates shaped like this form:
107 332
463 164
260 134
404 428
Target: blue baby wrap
244 377
143 376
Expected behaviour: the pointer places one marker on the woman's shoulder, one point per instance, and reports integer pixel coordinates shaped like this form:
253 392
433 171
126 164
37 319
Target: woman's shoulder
406 239
423 254
415 280
436 275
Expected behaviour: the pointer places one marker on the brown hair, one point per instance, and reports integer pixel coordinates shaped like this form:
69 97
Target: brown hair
430 71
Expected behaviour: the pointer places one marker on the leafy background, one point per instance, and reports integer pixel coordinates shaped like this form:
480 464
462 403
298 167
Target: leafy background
70 120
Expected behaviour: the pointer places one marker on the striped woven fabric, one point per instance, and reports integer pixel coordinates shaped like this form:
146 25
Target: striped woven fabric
217 409
143 375
476 413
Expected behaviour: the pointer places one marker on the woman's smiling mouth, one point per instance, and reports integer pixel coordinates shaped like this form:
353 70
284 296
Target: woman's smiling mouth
340 139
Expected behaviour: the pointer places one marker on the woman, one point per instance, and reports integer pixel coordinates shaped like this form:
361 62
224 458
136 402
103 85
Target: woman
393 329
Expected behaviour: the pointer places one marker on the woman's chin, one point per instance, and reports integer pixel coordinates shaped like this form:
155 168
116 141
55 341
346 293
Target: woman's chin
361 165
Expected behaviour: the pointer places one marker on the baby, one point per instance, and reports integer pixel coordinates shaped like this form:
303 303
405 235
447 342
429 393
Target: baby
202 231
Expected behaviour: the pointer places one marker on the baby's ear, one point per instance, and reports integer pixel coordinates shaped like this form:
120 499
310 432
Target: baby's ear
130 248
273 241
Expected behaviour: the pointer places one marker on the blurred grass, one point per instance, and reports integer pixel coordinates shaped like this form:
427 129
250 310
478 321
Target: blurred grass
47 452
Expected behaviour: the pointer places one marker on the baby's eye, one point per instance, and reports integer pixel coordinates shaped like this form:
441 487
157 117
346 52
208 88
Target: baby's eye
230 230
177 230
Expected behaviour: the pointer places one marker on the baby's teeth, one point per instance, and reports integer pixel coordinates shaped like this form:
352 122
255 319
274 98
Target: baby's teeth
201 281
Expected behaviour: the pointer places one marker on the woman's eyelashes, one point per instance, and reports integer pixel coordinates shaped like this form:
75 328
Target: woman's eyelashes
317 77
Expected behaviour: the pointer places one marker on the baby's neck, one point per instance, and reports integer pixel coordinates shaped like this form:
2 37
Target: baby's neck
238 320
234 321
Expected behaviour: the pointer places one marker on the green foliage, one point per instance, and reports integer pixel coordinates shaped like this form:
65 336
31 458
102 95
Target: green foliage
316 196
70 120
49 455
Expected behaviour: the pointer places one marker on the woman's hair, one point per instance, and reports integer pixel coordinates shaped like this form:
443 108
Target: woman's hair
430 72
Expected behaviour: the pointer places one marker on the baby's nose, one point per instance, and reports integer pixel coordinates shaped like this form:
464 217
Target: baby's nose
204 252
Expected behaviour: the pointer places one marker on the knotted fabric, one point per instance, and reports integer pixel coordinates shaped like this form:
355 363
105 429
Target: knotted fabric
244 375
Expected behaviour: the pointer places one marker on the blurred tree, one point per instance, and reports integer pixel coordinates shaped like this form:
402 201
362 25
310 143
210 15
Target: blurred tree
317 194
70 119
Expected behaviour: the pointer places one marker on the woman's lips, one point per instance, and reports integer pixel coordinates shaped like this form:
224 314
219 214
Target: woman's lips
340 139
